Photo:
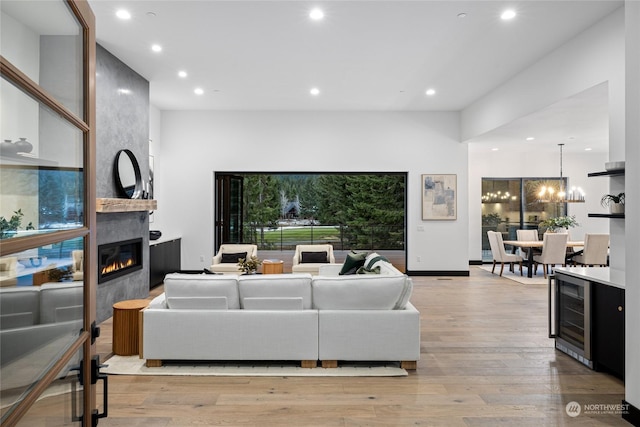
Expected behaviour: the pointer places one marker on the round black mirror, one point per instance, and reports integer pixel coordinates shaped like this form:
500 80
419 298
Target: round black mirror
127 175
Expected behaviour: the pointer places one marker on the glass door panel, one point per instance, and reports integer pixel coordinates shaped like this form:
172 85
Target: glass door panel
41 313
501 200
45 41
535 211
41 167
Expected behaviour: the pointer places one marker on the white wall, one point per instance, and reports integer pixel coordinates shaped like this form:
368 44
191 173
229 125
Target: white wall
485 163
632 178
194 145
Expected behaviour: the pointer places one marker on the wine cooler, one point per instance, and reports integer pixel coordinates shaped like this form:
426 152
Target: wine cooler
570 317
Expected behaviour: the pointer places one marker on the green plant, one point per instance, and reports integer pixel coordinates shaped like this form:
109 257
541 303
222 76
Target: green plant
249 265
9 228
491 219
560 222
612 198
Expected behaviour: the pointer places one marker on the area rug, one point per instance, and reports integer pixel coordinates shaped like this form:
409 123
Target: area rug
133 365
515 275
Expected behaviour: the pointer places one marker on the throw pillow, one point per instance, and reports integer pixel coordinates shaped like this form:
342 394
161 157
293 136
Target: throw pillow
373 259
232 258
363 270
309 257
353 261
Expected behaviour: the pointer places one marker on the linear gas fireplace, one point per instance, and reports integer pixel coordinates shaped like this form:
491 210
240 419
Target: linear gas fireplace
119 258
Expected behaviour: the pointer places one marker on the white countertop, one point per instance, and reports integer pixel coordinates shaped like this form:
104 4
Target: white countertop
162 239
604 275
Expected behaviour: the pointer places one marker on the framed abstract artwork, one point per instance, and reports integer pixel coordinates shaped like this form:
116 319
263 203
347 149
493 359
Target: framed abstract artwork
439 193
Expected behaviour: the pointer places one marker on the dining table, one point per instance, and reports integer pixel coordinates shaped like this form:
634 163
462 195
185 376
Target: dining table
530 245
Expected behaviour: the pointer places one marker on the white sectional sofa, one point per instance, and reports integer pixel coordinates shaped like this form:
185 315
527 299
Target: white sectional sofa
330 318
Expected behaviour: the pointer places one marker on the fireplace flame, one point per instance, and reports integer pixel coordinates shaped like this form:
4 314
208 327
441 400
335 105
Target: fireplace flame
116 265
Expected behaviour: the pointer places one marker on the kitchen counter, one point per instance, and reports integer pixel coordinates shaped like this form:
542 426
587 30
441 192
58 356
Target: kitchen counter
604 275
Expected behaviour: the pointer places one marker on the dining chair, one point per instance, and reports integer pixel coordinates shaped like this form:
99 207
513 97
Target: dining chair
554 251
527 236
499 254
595 251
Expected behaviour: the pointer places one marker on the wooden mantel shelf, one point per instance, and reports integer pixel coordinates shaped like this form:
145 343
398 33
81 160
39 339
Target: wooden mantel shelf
125 205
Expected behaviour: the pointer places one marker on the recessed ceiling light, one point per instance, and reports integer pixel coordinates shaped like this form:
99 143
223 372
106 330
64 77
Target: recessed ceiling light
314 91
156 48
430 92
316 14
494 149
588 149
530 138
462 15
182 74
198 91
508 14
123 14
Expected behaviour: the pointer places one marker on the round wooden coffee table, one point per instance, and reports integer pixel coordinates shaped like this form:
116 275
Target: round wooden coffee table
272 266
125 326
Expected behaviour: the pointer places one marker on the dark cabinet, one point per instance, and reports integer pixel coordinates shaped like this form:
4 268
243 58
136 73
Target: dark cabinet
165 258
608 329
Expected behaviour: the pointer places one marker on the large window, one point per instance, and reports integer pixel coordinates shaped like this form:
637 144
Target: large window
279 211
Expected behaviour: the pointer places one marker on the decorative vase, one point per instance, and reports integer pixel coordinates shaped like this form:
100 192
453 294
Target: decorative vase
23 146
8 147
616 208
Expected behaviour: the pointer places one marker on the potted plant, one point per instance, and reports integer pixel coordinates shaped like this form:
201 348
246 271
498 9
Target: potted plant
559 222
615 202
9 228
250 265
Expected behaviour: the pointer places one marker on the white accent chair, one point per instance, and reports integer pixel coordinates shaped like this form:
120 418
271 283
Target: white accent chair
77 265
309 258
226 260
8 271
595 252
554 251
499 254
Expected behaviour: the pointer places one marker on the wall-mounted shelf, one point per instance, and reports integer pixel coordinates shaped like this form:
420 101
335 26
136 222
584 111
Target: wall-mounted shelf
596 215
617 172
106 205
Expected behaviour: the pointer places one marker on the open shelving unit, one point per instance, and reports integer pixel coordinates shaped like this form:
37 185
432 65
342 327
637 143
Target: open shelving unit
611 173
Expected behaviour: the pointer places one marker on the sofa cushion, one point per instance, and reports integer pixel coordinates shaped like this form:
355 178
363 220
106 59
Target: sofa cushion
360 292
203 285
61 302
19 306
353 261
232 258
269 303
296 285
311 257
197 303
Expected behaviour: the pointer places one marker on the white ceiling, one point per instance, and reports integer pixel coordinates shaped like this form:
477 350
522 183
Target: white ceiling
364 55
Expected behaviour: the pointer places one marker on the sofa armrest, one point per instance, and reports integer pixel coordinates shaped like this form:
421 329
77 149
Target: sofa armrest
330 269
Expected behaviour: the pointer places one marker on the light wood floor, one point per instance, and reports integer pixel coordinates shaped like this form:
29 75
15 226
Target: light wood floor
486 361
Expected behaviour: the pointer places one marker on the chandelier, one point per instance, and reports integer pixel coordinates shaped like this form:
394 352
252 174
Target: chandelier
550 193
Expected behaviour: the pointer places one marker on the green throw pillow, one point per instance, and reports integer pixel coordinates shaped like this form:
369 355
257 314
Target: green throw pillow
364 270
354 261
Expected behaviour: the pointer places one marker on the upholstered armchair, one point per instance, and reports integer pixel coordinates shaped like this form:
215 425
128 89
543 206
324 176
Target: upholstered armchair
77 265
226 260
8 271
309 258
499 254
595 252
554 251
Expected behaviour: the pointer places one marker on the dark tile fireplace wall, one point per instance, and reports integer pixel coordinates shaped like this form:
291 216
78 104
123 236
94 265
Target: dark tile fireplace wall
122 112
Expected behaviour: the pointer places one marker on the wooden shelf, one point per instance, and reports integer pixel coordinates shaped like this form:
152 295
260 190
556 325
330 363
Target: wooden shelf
597 215
125 205
616 172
